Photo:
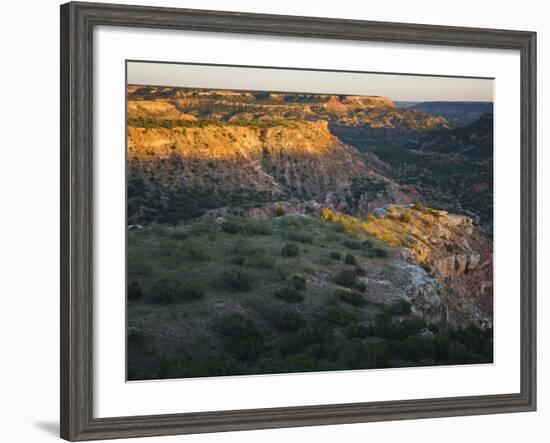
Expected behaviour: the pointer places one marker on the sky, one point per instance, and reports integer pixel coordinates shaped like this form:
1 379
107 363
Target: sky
398 87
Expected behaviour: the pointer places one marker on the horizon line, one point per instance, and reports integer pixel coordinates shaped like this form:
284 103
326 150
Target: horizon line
145 85
397 86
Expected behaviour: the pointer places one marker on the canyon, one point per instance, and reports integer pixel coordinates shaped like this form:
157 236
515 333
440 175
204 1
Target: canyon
387 208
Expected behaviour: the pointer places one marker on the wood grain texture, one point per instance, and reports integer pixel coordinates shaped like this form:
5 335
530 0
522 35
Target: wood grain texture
77 22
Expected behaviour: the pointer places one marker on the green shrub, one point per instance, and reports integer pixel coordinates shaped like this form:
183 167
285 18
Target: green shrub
231 227
284 318
290 295
350 259
271 365
378 355
360 271
290 250
136 337
400 307
413 325
383 317
442 344
378 253
476 340
239 261
164 248
346 278
298 236
237 281
294 221
352 244
209 366
308 336
396 330
358 331
245 248
171 290
134 291
168 367
246 341
297 341
360 286
405 217
463 345
336 227
302 362
246 227
202 228
178 234
159 230
435 213
256 227
385 327
340 317
353 354
367 244
458 353
415 348
335 255
298 282
260 261
193 250
165 291
418 206
139 266
382 326
253 258
351 297
279 211
193 291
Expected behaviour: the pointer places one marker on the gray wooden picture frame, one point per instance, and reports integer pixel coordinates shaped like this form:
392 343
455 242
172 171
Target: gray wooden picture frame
77 23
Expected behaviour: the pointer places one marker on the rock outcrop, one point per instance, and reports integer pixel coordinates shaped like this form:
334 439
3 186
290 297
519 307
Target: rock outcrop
447 261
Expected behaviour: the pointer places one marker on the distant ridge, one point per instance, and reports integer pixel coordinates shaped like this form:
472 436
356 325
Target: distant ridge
463 112
405 104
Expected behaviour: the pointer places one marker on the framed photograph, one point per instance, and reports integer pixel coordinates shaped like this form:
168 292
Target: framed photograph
273 221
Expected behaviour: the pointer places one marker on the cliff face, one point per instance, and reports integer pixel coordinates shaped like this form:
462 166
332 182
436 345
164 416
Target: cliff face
446 261
302 158
275 161
348 110
156 109
229 141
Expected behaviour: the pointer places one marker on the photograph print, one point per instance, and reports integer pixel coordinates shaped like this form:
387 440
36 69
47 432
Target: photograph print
289 221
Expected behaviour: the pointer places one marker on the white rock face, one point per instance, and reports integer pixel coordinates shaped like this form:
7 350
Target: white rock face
431 299
473 261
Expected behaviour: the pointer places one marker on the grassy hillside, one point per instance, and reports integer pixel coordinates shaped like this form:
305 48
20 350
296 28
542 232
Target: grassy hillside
291 293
